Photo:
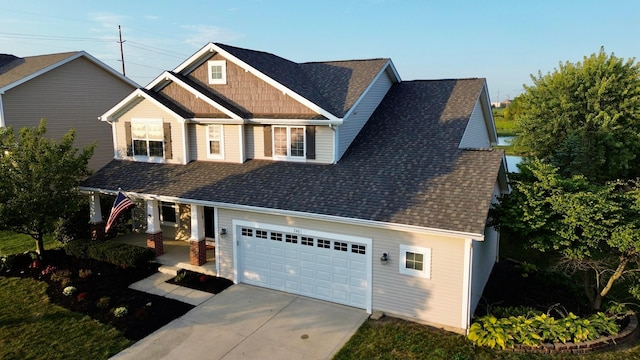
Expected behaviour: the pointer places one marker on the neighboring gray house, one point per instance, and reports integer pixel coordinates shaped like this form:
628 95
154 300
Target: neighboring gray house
333 180
69 90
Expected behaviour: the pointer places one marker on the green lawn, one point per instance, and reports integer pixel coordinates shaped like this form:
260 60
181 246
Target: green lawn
12 243
33 328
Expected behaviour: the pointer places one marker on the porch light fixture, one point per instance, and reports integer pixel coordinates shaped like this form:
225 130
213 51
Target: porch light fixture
223 231
384 258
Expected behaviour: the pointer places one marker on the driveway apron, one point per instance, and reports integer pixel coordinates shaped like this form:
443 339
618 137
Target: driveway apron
248 322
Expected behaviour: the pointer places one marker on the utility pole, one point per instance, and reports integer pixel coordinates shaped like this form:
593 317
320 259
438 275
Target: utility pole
121 52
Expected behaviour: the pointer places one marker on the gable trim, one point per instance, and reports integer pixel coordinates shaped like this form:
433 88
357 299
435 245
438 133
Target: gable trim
134 97
72 57
213 48
387 68
168 76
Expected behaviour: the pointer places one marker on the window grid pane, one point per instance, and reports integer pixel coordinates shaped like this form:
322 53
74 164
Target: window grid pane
276 236
140 147
156 148
216 72
340 246
280 141
261 234
325 244
297 142
414 261
306 241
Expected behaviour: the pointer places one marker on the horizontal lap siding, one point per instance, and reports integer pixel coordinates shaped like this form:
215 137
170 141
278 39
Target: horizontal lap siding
254 140
348 131
198 147
147 110
476 135
73 95
437 300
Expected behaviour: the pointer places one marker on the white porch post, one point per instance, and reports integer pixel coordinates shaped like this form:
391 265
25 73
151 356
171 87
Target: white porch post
96 224
154 231
197 243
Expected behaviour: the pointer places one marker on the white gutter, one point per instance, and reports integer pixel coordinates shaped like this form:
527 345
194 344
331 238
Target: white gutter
300 214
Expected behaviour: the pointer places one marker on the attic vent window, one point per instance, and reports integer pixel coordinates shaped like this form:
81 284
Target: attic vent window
217 72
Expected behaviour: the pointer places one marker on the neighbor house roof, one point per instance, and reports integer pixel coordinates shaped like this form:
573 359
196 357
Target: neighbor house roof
19 70
405 167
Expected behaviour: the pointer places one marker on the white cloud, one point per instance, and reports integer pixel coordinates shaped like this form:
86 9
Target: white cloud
199 35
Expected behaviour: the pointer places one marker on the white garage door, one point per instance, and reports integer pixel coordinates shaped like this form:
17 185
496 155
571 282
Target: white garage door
324 268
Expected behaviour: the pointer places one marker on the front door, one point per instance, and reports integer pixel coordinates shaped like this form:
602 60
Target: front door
209 223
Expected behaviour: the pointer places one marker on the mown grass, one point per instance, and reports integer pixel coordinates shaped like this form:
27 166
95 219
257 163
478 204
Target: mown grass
33 328
13 243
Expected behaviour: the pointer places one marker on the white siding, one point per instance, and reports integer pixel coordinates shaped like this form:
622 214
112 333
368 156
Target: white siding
436 301
476 135
147 110
362 112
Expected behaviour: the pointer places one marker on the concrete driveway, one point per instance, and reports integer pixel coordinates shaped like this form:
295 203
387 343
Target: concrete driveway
248 322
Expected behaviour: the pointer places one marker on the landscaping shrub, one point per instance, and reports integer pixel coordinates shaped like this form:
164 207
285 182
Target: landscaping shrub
120 254
533 331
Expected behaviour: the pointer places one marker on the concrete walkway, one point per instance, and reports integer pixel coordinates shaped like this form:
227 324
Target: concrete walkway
248 322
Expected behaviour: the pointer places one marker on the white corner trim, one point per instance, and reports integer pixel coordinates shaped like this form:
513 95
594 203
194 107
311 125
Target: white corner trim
185 144
216 221
3 122
465 318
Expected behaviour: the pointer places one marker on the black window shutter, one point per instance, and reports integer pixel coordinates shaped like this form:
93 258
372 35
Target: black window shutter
127 135
168 154
310 134
267 140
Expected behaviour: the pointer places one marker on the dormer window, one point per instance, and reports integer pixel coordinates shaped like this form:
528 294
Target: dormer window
148 139
217 72
289 142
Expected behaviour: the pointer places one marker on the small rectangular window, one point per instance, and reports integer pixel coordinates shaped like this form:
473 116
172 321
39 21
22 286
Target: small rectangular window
358 249
168 212
217 72
215 141
247 232
293 239
308 241
261 234
325 244
276 236
340 246
415 261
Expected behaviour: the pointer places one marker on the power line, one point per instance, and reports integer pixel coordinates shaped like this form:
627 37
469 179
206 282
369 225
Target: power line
50 37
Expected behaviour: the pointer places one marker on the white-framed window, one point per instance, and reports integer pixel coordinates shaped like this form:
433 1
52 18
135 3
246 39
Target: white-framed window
215 141
217 71
415 261
168 213
289 142
148 138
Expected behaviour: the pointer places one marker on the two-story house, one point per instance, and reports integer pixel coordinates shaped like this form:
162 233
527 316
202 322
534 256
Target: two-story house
69 90
334 180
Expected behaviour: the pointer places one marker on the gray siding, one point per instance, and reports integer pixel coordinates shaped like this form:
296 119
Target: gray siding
361 113
437 300
254 144
197 138
70 96
476 135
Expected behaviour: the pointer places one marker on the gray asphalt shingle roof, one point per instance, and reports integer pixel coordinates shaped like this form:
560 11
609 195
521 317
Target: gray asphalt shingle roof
404 167
29 65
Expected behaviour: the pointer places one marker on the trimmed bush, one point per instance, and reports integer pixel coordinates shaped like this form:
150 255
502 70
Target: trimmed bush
120 254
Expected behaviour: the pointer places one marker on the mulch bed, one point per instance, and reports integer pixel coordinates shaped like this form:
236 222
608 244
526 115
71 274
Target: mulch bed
194 280
101 288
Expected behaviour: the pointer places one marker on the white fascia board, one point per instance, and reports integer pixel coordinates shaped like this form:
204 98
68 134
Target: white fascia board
168 76
134 96
285 90
299 214
301 122
222 121
388 67
65 61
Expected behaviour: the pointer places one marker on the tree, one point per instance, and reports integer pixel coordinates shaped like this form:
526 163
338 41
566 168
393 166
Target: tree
39 180
593 227
584 118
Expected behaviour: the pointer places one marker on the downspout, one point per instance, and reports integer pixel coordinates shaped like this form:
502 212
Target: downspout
185 151
466 284
3 123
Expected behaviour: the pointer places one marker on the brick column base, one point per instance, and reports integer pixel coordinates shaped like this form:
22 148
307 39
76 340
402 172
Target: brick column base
197 252
96 230
154 242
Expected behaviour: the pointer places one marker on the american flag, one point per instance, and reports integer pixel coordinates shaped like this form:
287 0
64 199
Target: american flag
121 204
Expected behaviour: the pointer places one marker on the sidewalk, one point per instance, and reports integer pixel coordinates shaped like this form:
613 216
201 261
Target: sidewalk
156 284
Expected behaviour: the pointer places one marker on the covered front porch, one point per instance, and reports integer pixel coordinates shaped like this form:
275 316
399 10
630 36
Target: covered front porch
176 253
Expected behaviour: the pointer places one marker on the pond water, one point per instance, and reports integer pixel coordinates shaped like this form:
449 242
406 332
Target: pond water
505 140
512 160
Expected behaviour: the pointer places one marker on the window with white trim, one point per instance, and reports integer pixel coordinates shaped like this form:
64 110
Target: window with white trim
217 72
415 261
168 213
148 138
289 142
215 141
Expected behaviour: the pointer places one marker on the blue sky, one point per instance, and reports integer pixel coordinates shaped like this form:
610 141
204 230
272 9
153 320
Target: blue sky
502 41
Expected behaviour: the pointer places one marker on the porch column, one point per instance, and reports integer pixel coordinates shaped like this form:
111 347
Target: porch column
154 231
96 224
197 243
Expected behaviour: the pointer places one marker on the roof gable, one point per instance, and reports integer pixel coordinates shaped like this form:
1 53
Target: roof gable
33 66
